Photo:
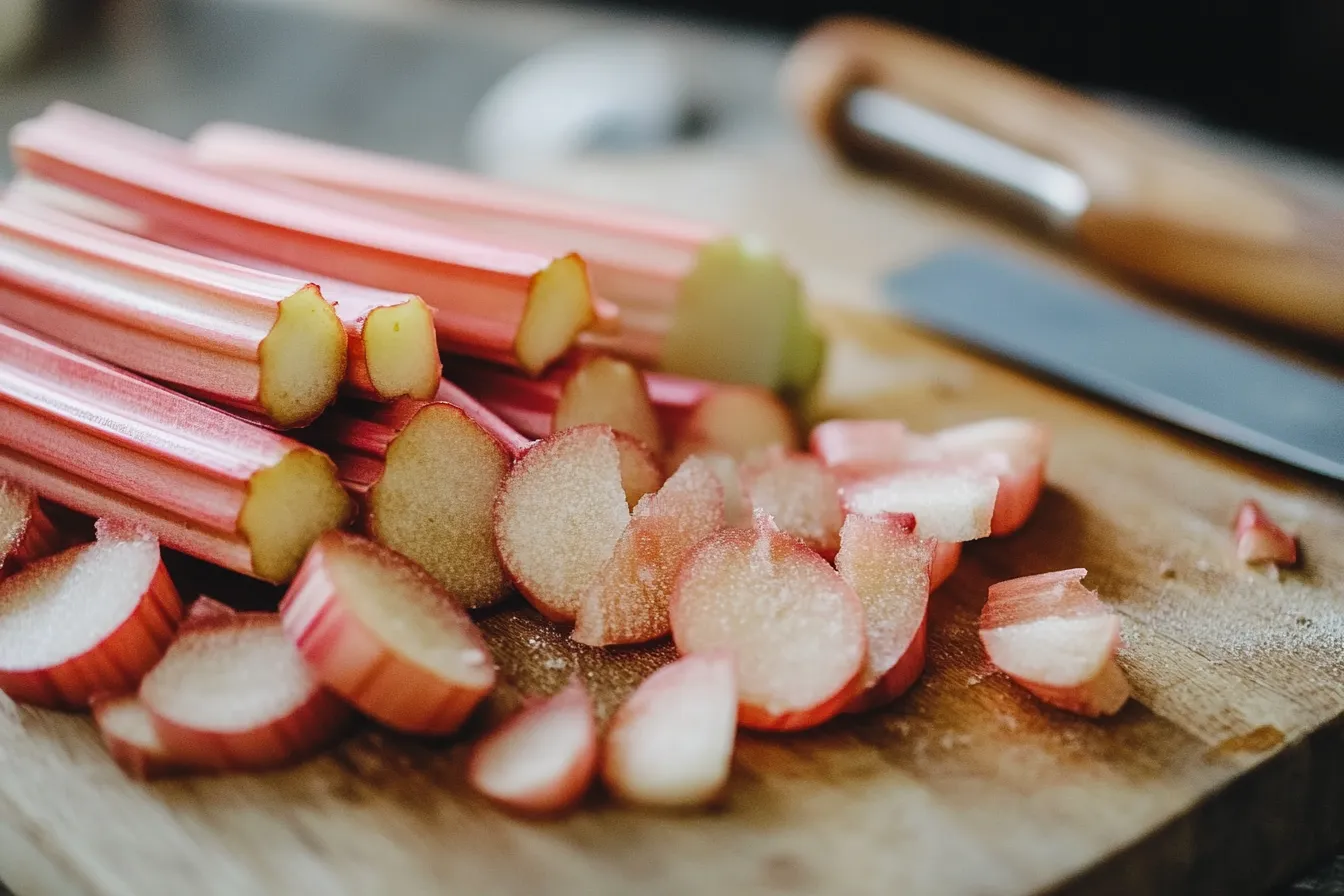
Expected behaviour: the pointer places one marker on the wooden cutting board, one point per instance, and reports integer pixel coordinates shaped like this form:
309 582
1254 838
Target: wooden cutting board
1224 774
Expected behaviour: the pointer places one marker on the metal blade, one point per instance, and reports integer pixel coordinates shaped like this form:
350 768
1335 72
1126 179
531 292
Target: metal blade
1148 360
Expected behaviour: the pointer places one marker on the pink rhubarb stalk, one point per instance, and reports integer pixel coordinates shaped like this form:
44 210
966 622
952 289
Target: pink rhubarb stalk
497 302
107 443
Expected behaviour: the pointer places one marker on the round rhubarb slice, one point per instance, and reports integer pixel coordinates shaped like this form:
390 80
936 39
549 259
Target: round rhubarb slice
90 620
542 760
386 636
737 421
131 739
611 391
794 626
800 494
559 514
232 693
671 742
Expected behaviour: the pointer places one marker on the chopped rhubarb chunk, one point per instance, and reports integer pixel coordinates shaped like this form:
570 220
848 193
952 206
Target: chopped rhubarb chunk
800 494
1259 539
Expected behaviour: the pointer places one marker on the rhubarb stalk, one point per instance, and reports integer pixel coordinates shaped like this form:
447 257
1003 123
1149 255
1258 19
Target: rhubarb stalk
688 292
392 346
265 344
107 443
490 301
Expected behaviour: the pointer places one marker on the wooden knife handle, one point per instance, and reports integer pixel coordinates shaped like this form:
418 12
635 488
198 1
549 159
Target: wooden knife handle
1158 207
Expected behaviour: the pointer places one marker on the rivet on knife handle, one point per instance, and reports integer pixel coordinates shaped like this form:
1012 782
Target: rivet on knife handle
1134 198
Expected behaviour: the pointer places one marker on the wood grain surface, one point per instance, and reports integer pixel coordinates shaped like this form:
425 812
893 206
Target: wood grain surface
1224 774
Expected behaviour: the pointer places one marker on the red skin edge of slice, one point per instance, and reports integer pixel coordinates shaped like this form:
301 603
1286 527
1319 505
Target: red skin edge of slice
353 662
900 677
760 720
40 539
131 758
115 665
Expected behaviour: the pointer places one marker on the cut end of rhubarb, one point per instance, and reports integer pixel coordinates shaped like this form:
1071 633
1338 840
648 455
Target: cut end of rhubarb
559 307
671 742
947 506
559 514
435 499
131 739
1259 539
887 565
90 620
25 532
640 472
795 627
288 506
1054 637
611 391
302 359
237 695
401 350
542 760
627 602
736 288
379 631
800 494
738 421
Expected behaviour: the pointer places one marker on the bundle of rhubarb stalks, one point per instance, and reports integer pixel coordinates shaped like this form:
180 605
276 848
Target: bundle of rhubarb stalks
413 395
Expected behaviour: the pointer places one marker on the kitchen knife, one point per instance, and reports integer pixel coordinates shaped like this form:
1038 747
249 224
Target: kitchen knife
1141 201
1142 357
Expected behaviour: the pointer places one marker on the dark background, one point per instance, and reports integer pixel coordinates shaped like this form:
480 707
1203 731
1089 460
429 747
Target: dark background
1273 68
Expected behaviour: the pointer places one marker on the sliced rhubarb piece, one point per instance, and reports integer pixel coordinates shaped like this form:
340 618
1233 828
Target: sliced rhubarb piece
592 389
641 474
1055 638
736 503
800 494
26 534
206 610
1259 539
427 474
946 556
689 288
947 506
488 301
795 627
558 517
382 633
131 740
627 602
671 742
735 420
269 345
1013 450
542 760
93 619
887 565
235 694
103 442
611 391
392 347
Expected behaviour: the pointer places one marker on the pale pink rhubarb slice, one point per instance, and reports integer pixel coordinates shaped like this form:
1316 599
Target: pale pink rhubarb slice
90 620
671 742
794 626
611 391
887 565
26 533
1054 637
1013 450
131 739
559 514
542 760
234 694
947 506
641 472
800 493
387 637
1259 539
627 602
736 503
946 556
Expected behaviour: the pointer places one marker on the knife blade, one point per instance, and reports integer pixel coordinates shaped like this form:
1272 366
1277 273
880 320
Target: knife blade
1140 357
